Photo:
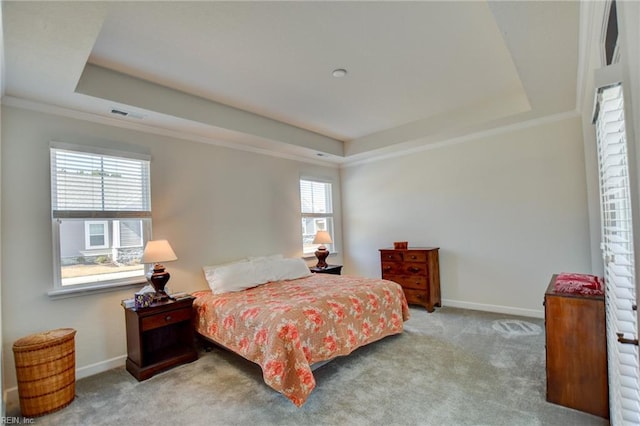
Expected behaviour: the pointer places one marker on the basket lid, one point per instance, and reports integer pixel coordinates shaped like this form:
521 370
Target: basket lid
43 339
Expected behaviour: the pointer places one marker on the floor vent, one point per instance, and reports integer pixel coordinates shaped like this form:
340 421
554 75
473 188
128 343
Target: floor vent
513 328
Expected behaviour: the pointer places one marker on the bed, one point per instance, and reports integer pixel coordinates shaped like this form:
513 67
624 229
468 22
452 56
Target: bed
286 326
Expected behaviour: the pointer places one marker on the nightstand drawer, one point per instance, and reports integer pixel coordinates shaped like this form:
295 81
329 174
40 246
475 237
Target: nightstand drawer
165 318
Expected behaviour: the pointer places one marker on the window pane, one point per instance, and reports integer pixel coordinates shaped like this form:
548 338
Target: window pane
309 228
130 233
106 259
315 197
92 182
96 228
316 206
96 240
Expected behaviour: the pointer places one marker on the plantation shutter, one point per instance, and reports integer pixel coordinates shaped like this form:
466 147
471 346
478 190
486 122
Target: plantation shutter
99 185
618 252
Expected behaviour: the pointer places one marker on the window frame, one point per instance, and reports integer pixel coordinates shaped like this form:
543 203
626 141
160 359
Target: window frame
328 216
106 217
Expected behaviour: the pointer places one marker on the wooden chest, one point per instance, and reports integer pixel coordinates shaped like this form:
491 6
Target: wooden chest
418 272
576 349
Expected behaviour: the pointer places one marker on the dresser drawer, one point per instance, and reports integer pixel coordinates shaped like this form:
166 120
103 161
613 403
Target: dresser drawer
403 256
412 268
390 255
406 268
416 297
414 282
414 256
165 318
393 268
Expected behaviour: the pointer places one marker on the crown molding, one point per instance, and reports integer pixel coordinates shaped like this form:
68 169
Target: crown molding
467 138
31 105
15 102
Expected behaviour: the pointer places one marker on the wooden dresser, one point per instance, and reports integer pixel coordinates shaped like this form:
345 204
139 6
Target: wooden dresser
576 347
418 272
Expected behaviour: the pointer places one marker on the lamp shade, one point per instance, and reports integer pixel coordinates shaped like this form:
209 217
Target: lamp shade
322 237
157 251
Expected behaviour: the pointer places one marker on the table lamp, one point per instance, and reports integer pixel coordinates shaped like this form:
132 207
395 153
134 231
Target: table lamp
322 238
157 251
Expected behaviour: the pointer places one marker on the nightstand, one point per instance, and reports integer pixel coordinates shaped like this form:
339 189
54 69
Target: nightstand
330 269
159 337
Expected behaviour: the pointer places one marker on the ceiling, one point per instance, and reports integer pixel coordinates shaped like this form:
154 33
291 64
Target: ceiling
258 75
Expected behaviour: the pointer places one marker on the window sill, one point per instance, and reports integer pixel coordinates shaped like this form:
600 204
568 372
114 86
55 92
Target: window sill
75 291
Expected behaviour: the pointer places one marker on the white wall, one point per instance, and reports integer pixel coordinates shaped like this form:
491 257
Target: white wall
2 387
507 211
213 204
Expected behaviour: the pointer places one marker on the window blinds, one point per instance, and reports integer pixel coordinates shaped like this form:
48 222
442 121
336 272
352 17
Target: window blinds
617 245
92 185
315 197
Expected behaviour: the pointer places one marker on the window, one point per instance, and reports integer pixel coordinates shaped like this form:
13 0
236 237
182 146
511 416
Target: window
101 213
618 252
611 52
95 234
317 213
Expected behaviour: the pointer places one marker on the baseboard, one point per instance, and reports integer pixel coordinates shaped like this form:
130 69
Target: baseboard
12 399
494 308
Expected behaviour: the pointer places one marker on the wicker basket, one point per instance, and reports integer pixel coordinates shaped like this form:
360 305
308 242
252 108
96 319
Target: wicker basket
46 371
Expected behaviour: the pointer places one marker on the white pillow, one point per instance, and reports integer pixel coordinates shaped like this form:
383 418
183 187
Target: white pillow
241 275
282 269
234 277
209 271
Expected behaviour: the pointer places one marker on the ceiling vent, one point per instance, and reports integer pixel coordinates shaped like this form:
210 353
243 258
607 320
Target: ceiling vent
126 113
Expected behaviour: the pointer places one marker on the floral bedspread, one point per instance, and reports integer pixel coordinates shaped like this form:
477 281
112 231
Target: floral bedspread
286 326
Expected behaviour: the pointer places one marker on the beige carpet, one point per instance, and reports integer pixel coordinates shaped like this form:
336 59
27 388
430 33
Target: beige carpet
451 367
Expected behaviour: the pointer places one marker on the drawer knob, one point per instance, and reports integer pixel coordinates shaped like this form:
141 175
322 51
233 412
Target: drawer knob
413 257
414 269
167 318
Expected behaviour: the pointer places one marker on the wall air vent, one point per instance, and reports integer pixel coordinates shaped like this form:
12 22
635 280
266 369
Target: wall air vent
126 113
119 112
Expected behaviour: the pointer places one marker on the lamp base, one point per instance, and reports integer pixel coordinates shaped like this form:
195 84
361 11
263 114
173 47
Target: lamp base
158 279
322 254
